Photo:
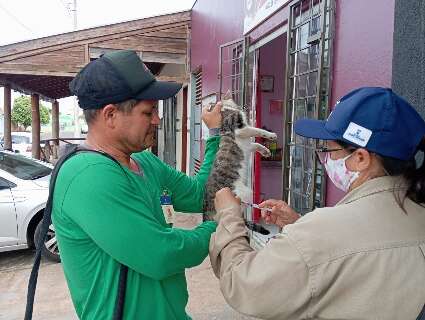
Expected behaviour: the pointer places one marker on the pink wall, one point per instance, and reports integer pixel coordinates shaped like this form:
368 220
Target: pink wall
213 24
363 52
272 62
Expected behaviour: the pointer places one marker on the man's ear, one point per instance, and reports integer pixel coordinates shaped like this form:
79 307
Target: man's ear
109 115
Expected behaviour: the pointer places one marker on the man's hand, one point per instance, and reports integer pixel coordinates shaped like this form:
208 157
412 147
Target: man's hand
225 198
281 214
212 118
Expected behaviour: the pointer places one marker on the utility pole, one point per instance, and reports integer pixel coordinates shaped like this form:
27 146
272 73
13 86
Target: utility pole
76 108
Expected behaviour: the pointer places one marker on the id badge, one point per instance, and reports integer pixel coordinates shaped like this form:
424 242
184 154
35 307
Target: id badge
167 208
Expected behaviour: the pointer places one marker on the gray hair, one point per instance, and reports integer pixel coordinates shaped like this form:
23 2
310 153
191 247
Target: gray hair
125 106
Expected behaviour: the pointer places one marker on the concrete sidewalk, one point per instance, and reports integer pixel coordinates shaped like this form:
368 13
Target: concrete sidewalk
53 301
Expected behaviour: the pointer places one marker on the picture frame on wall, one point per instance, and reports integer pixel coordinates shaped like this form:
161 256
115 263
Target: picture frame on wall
266 83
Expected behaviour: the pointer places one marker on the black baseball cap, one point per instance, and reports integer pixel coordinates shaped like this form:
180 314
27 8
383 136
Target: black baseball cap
116 77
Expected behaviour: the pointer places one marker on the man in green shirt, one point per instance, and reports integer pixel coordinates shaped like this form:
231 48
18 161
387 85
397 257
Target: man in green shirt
107 214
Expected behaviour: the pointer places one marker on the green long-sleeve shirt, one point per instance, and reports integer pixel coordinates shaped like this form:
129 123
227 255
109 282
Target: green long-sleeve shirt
105 215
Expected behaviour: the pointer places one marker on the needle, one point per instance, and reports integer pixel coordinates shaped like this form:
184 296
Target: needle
253 205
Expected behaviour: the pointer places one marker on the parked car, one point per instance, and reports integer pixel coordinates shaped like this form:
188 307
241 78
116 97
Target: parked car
24 184
21 143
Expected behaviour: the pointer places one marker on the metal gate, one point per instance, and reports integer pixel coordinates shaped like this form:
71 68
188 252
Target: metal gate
232 66
310 35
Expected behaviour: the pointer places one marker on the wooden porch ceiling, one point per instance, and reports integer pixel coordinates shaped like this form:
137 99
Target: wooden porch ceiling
46 66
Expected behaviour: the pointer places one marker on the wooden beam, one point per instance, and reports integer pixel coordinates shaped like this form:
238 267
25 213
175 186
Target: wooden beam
145 44
35 125
29 70
71 39
162 57
86 53
7 117
61 46
173 79
55 127
16 87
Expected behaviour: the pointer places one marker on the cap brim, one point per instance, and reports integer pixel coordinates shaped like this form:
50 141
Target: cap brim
159 90
315 129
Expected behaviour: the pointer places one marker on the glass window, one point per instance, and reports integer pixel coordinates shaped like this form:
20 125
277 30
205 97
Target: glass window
20 139
22 167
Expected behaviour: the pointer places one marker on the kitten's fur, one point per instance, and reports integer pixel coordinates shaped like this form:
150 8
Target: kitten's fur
230 165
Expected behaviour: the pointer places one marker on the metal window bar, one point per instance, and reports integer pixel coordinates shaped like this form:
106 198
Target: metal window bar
309 51
231 70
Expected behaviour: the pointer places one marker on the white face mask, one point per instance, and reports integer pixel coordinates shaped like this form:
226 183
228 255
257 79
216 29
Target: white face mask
337 171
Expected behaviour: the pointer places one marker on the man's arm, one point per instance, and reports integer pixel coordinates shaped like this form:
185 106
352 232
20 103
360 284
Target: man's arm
122 224
187 192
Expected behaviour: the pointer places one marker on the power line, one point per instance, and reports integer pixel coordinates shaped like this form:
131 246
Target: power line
67 7
15 18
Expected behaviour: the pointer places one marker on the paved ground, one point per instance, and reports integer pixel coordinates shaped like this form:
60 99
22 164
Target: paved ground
53 301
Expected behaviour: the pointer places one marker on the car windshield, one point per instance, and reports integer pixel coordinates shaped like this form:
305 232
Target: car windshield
22 167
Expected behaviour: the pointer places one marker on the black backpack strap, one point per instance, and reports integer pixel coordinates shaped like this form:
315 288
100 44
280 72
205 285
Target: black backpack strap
421 315
47 220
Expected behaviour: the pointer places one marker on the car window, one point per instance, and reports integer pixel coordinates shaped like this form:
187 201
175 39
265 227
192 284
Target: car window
22 167
20 139
6 184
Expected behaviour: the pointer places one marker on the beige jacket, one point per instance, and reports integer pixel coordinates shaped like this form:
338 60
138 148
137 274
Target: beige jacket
362 259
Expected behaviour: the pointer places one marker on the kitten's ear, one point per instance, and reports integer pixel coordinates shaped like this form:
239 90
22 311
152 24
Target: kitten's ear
227 95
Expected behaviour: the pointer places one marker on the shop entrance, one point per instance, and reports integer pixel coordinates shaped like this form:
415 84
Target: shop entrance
269 109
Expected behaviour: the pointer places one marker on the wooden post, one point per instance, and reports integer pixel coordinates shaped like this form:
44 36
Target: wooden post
35 125
7 118
55 128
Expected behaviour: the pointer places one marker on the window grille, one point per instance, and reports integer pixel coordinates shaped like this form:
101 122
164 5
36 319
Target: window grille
307 96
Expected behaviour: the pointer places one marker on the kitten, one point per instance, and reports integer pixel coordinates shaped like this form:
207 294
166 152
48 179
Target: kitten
230 165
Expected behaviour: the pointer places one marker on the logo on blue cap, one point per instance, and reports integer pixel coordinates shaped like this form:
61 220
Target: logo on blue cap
357 134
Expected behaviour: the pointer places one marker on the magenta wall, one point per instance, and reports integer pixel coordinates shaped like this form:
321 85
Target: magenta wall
213 24
363 52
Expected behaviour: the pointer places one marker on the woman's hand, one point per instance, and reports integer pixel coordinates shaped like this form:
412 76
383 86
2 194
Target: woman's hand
225 198
281 214
212 118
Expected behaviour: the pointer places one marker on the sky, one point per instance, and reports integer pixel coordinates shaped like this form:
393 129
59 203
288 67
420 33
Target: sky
22 20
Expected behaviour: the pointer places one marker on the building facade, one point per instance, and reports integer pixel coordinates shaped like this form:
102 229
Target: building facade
285 60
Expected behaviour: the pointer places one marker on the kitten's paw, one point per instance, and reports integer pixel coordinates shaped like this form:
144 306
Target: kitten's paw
271 136
265 152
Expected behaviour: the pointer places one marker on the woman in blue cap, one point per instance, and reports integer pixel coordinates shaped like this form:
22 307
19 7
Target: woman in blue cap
363 258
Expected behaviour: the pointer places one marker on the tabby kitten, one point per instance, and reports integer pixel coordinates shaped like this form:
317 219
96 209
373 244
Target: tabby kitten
230 165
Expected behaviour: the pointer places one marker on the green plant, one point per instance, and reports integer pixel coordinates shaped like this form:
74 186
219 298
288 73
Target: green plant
22 115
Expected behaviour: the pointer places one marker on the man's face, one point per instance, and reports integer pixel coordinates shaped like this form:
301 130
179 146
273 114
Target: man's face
137 128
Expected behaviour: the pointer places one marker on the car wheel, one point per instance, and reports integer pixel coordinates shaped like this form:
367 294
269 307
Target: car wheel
50 248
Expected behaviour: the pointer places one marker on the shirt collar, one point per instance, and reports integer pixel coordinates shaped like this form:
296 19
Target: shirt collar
373 186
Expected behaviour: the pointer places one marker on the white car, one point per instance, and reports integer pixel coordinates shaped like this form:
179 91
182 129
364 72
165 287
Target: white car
24 189
21 143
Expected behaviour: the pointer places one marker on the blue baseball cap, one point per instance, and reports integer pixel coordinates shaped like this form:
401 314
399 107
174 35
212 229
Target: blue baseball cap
373 118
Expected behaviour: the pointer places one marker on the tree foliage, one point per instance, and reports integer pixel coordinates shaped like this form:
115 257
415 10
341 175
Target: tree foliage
22 115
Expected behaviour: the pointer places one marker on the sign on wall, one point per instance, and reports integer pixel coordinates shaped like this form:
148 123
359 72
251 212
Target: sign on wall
258 10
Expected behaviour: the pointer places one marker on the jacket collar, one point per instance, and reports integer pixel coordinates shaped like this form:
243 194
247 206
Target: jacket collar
373 186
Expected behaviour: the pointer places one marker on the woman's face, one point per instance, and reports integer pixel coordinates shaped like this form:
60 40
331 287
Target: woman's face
361 160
